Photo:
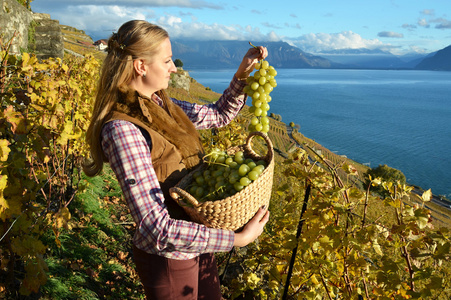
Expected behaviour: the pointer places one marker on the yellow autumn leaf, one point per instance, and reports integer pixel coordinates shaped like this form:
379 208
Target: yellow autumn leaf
62 217
3 204
27 245
427 195
4 150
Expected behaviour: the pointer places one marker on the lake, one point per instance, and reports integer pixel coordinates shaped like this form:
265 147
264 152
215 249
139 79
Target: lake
400 118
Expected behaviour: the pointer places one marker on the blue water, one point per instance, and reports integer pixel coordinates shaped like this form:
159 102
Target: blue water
398 118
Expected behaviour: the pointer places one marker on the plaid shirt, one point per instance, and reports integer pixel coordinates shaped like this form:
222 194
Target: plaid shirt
128 153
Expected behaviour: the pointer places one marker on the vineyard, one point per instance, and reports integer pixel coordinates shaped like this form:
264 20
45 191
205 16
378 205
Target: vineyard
65 236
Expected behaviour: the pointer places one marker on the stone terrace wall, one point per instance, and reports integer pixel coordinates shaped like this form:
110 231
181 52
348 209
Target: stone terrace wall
14 19
49 39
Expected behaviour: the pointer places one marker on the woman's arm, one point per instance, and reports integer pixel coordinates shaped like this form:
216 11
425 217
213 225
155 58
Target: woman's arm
223 111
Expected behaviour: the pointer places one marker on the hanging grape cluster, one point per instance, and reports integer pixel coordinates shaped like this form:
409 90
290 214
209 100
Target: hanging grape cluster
258 87
224 175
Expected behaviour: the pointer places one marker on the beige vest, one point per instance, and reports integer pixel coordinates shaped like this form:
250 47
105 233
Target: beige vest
172 154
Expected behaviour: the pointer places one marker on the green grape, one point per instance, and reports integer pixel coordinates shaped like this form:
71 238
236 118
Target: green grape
243 169
193 189
258 111
268 88
239 157
219 185
264 106
245 181
254 121
248 160
256 95
234 165
199 192
259 169
200 180
238 186
251 165
221 159
264 120
272 71
253 175
258 127
254 85
211 181
229 161
262 80
258 103
261 162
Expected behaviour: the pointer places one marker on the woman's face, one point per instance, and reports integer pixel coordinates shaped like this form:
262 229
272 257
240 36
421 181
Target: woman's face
158 72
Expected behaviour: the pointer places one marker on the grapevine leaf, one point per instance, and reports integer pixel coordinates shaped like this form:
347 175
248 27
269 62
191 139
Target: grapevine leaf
427 196
16 120
27 244
62 217
4 150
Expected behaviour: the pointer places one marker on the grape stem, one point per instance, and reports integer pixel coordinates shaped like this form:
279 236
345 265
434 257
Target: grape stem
253 46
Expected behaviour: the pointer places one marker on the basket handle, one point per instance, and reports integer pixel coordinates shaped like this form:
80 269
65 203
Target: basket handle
248 147
177 193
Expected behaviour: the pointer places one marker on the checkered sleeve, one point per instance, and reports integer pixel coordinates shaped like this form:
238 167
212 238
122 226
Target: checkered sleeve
221 112
129 156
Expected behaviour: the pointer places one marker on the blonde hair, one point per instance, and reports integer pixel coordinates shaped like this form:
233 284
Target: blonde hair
134 40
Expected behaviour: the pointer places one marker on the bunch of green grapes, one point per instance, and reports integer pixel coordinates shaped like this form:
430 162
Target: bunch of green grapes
224 175
258 87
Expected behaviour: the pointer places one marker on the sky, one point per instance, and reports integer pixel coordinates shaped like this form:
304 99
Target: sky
320 26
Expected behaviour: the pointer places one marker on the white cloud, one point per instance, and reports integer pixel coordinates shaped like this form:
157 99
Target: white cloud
390 34
323 42
98 20
442 23
428 12
423 23
409 27
201 31
198 4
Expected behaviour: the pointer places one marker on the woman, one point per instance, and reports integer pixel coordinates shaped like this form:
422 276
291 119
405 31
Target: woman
150 142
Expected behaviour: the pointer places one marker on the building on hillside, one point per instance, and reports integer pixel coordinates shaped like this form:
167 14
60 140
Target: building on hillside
101 44
84 43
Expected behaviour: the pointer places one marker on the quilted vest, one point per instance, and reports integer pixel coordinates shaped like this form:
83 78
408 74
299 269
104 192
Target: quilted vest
175 142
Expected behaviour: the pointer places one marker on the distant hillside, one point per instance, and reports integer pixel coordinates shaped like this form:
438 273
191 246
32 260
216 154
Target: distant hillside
441 61
228 54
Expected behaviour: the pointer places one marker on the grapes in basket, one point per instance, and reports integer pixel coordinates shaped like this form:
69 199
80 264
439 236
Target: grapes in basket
224 175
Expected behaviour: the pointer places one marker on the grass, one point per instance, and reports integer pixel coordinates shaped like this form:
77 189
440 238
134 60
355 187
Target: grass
94 260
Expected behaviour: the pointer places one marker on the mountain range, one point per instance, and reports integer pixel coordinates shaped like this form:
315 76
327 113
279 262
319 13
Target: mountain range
228 54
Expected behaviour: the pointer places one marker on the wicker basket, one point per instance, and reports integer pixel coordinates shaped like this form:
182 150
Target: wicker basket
235 211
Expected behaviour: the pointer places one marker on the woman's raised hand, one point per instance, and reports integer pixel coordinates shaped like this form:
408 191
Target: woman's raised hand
252 56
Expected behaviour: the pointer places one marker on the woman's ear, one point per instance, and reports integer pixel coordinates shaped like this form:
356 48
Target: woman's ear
140 67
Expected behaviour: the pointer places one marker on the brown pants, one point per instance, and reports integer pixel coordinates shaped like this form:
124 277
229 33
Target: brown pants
170 279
